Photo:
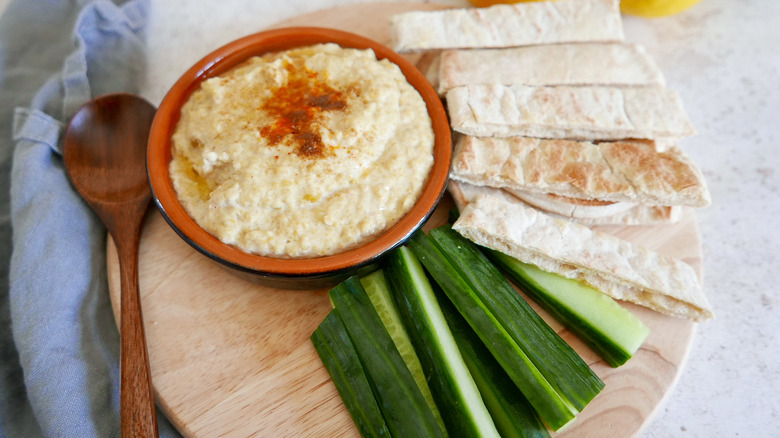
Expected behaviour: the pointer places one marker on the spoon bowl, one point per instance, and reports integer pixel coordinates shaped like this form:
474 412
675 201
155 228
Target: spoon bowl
105 156
100 164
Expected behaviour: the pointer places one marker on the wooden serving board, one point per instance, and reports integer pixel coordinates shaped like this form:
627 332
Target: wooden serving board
231 358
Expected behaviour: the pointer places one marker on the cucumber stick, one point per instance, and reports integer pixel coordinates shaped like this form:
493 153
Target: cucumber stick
512 413
547 370
612 331
552 408
378 292
452 386
334 347
507 305
400 400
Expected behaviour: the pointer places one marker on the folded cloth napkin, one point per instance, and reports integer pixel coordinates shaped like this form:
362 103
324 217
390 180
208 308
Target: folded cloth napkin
59 344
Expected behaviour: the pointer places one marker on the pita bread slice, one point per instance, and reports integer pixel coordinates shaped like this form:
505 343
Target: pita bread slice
573 207
581 112
508 25
622 171
615 266
556 64
464 193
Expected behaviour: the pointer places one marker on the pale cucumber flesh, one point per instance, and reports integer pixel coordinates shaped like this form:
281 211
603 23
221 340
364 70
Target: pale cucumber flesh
378 292
452 385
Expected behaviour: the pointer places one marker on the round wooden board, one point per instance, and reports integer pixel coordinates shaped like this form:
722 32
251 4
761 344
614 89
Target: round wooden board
231 358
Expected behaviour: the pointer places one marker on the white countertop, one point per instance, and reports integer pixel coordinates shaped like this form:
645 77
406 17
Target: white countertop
722 56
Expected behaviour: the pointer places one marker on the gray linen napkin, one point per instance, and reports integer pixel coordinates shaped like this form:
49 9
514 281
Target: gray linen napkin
59 345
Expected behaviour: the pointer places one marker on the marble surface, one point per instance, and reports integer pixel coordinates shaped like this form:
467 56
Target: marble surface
722 56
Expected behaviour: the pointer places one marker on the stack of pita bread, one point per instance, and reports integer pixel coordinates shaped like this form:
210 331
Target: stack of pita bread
560 124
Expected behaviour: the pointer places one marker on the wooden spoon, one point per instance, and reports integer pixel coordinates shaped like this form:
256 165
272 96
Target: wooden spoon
105 155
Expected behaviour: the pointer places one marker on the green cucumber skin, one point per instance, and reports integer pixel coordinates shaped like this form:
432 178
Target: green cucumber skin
378 282
507 305
553 410
334 347
597 341
405 410
462 408
513 414
594 332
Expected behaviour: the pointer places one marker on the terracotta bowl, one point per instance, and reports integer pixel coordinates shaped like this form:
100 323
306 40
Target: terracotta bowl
276 272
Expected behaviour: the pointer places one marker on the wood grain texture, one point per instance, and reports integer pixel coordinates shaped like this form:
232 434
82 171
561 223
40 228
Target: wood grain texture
230 358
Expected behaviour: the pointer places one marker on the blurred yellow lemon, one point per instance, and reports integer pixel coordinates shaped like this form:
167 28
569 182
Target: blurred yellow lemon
655 8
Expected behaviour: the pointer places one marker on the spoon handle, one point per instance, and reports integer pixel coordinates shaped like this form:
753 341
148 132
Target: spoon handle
138 411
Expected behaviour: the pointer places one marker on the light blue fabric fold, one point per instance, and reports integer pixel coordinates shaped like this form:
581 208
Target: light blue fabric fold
59 345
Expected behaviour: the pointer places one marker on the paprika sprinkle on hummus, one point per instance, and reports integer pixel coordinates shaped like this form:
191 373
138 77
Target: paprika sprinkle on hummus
297 106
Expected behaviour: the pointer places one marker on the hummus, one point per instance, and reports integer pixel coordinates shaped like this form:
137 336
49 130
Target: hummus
302 153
